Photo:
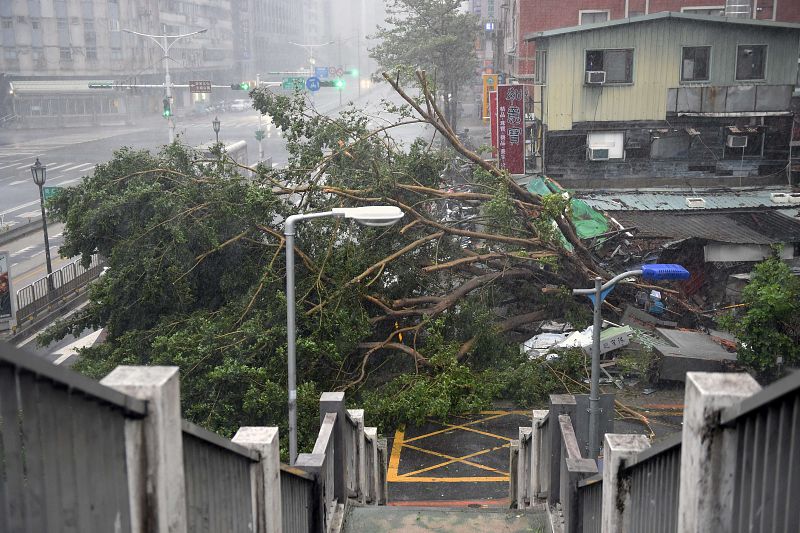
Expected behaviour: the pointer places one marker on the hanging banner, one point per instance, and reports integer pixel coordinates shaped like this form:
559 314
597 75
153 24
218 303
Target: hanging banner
489 84
493 120
510 128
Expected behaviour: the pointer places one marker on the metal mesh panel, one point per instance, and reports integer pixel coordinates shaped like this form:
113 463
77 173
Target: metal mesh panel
62 458
297 503
654 486
218 487
590 503
767 479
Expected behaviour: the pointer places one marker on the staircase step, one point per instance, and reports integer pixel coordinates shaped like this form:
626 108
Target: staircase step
444 519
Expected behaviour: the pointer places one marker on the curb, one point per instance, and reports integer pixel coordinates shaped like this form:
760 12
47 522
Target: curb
20 231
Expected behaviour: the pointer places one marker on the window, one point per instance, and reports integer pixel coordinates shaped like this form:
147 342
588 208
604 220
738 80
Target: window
7 22
116 53
91 54
706 10
750 61
590 17
617 64
695 63
65 53
35 24
61 24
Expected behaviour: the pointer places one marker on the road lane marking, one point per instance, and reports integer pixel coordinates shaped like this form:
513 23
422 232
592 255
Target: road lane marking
21 251
70 169
18 182
20 207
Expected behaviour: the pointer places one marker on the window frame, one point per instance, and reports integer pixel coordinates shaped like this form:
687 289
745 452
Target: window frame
604 50
692 10
582 12
763 67
710 56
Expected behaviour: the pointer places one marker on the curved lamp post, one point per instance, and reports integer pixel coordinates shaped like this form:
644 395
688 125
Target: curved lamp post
39 173
215 125
376 215
597 295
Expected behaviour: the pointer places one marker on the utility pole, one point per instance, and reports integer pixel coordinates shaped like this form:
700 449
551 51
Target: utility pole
358 60
165 45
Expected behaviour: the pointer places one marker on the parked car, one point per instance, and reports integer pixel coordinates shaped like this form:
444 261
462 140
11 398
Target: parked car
241 105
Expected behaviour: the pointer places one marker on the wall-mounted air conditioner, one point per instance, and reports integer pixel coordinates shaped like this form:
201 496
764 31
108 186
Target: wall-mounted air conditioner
595 77
695 202
598 154
737 141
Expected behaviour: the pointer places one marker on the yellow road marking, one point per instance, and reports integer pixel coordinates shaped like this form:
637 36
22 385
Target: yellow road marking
480 432
496 479
452 428
394 459
452 460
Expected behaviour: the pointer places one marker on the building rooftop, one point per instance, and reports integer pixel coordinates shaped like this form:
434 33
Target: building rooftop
659 16
671 200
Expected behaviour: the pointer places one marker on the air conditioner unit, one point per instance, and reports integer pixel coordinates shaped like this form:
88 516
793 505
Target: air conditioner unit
595 77
598 154
695 202
780 197
737 141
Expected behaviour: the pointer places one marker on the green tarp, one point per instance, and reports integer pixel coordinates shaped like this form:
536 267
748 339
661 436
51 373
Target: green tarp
588 222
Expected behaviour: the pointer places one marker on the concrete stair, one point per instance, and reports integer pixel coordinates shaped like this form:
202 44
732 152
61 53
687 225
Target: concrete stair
444 519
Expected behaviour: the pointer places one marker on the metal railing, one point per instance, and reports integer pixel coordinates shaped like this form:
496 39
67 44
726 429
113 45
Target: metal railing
63 452
590 503
766 484
218 481
37 296
297 500
654 477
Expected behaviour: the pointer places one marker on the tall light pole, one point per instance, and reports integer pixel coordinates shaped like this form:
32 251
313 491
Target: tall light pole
597 295
165 45
39 173
377 215
309 48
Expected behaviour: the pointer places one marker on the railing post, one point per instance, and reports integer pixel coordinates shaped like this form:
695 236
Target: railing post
513 468
708 454
361 461
616 488
383 459
315 464
537 461
524 468
333 402
267 475
375 476
160 494
560 404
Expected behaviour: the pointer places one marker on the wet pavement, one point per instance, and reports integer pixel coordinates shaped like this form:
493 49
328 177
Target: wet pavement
409 520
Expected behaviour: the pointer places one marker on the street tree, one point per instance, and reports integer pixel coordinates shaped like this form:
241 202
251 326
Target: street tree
425 314
433 35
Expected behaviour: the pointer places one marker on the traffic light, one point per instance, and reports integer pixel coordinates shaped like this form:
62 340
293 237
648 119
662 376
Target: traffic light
167 109
353 72
241 86
338 83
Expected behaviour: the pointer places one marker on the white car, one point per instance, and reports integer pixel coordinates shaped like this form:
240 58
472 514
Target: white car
240 105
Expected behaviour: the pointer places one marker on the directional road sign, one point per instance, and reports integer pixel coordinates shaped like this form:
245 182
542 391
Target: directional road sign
312 84
293 83
49 192
321 72
199 86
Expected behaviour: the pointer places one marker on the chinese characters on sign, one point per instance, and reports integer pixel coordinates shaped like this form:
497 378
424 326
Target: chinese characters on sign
493 120
511 128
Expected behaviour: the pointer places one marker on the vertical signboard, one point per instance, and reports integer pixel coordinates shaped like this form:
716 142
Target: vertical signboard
489 84
493 120
510 128
6 308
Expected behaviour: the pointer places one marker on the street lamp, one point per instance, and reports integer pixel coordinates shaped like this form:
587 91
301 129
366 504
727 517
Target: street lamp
165 46
215 125
376 215
597 295
309 48
39 173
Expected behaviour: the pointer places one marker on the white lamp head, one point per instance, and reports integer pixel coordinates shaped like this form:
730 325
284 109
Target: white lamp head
371 215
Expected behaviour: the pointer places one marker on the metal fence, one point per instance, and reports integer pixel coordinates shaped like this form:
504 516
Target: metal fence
767 478
654 479
590 503
297 500
219 485
63 457
37 296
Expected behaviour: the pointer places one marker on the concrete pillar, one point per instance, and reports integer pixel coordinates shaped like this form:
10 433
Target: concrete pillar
524 474
514 481
164 485
708 452
560 404
267 475
374 489
538 463
361 460
333 402
616 491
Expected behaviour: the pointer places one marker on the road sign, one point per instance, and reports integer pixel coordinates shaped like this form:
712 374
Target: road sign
339 72
259 135
293 83
50 192
321 72
312 84
199 86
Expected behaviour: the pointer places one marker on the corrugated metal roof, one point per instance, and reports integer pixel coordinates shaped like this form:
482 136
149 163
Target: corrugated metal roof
676 201
658 16
741 227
